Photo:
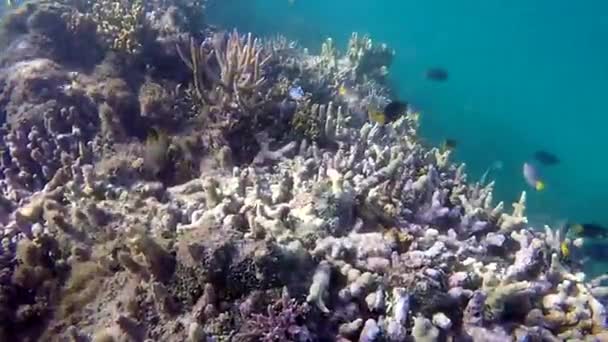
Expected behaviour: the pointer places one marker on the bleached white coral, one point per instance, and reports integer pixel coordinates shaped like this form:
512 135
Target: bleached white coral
320 286
396 322
424 330
517 219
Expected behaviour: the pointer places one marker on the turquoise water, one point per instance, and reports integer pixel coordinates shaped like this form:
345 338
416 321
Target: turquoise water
524 75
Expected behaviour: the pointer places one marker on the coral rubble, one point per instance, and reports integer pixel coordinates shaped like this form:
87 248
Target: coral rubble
168 186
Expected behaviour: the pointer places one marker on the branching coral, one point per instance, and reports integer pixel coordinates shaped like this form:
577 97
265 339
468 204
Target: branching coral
283 321
516 220
227 70
329 55
386 235
368 61
120 23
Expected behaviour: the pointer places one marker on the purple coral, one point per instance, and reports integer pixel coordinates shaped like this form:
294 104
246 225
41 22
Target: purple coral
283 321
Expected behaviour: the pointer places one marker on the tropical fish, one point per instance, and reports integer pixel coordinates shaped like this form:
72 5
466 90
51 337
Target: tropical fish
588 230
395 110
546 158
296 93
448 144
596 250
349 95
376 115
437 74
532 178
564 250
390 113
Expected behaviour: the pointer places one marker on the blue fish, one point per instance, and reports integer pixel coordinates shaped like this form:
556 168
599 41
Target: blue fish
296 93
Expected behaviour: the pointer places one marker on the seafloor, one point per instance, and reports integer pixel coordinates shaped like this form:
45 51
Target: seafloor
164 180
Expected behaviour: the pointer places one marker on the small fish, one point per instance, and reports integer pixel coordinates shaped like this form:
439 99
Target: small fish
588 230
546 158
564 250
395 110
390 113
532 178
448 144
375 115
349 95
346 91
296 93
437 74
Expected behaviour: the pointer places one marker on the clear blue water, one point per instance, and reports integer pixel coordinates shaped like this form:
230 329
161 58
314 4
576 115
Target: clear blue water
524 75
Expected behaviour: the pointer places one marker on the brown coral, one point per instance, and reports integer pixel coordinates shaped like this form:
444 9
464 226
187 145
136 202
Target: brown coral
120 23
227 71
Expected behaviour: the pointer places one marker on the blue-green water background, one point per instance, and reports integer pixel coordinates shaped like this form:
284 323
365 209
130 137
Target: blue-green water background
523 75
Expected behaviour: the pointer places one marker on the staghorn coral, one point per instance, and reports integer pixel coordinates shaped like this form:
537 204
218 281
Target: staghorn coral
517 219
236 75
369 61
329 55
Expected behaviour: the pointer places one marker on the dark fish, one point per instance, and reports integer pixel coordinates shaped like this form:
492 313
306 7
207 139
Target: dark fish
391 112
596 250
394 110
546 158
437 74
449 144
588 230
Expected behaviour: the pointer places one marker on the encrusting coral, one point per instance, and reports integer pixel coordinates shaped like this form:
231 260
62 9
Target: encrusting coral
172 187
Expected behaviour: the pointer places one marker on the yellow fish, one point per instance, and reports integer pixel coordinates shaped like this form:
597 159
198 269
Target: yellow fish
540 186
342 90
565 250
532 178
375 115
389 113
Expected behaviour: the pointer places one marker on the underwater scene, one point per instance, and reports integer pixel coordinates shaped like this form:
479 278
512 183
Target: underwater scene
303 170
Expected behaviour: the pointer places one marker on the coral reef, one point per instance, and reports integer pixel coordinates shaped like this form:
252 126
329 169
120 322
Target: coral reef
170 186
